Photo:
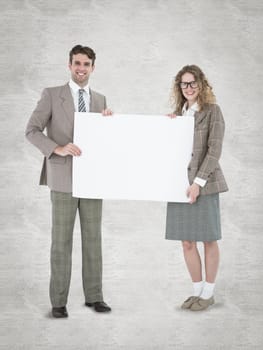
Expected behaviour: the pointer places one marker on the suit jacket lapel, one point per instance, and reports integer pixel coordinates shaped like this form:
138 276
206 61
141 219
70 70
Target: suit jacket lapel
199 116
67 103
92 107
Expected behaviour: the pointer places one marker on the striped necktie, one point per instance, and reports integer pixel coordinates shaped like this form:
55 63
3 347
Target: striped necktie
82 107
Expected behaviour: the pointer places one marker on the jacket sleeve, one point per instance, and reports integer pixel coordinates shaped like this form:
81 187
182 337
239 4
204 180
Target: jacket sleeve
38 122
214 144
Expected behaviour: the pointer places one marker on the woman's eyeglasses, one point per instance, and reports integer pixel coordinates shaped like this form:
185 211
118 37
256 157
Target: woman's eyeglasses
192 84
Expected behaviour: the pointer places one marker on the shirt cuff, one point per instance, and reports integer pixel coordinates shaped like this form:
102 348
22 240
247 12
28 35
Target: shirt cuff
200 181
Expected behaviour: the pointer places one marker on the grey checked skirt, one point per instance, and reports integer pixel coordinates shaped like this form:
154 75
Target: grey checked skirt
194 222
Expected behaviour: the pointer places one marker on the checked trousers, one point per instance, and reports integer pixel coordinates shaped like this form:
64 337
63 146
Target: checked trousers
64 209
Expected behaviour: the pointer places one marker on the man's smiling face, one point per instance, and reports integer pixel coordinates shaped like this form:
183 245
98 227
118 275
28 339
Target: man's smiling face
81 68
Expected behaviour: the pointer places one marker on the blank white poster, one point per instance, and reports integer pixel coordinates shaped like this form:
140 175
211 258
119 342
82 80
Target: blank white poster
136 157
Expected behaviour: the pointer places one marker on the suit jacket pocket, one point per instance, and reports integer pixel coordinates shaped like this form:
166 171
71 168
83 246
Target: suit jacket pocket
55 159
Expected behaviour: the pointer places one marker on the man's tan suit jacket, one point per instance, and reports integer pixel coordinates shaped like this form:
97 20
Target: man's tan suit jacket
55 112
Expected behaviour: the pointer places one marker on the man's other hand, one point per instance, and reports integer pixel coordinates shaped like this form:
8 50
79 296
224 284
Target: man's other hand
68 150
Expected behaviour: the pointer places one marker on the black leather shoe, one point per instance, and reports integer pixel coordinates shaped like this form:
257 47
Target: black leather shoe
99 306
59 312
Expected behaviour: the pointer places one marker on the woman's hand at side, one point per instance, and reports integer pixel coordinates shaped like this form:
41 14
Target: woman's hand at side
193 192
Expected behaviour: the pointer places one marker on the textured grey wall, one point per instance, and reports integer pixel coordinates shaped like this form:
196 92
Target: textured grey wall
140 46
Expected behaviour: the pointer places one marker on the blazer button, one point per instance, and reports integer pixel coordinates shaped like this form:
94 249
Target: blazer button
192 154
189 168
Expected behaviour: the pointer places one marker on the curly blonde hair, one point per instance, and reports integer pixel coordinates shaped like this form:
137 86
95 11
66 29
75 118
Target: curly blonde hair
205 95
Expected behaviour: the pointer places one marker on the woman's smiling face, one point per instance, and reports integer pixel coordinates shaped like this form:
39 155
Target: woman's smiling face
190 90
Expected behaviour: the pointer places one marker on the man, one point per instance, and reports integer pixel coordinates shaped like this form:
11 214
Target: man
55 112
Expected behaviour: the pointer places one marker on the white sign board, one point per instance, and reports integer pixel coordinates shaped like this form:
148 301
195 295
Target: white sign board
137 157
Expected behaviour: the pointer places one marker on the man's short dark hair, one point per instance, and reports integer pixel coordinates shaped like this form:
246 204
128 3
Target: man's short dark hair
85 50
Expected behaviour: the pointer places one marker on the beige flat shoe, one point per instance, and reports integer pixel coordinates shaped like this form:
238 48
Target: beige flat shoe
188 302
202 304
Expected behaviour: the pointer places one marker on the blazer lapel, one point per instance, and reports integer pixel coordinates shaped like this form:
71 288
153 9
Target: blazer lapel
67 103
92 107
199 116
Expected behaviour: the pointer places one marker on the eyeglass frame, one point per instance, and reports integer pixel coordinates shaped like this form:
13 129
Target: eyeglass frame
188 83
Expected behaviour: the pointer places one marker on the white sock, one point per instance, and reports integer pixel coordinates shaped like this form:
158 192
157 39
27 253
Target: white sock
198 287
208 290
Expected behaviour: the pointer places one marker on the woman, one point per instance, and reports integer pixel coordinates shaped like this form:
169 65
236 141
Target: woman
200 220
